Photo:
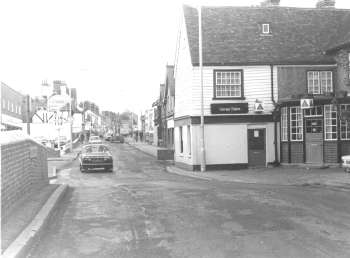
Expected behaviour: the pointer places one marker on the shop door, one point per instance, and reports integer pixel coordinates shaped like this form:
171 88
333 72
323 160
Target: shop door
314 140
256 148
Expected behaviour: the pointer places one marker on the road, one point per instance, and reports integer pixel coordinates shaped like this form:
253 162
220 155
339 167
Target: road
140 210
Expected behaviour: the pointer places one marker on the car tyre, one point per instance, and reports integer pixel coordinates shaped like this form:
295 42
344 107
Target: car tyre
82 169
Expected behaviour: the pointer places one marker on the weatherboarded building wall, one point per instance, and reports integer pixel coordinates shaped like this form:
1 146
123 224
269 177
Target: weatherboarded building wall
23 167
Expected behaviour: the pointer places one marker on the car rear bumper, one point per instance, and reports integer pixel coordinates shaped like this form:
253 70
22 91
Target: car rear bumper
97 165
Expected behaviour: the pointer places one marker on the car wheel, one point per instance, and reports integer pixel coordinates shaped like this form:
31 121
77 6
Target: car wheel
82 169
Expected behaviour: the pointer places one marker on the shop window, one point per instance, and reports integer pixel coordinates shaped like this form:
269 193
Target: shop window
319 82
228 84
314 111
284 124
181 140
189 139
330 122
344 125
296 124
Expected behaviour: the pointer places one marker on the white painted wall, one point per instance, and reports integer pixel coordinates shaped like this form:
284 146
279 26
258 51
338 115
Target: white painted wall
183 74
256 84
224 143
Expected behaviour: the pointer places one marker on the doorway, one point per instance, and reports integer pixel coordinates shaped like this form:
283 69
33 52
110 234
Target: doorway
257 147
314 140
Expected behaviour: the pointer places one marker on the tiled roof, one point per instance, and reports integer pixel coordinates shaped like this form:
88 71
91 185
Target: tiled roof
232 35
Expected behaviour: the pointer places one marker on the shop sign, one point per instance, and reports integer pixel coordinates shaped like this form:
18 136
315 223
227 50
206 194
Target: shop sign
258 107
229 108
306 103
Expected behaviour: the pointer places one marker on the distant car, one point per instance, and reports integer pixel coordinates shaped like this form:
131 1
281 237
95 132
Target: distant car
118 138
95 140
108 137
95 156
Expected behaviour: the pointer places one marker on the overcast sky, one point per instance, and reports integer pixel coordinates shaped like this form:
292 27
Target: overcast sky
114 52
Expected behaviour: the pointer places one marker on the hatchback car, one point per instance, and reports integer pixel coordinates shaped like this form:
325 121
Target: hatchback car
95 156
95 140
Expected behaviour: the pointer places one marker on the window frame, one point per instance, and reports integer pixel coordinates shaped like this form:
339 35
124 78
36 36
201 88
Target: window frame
263 26
215 71
344 126
181 140
284 124
189 140
320 87
333 109
299 124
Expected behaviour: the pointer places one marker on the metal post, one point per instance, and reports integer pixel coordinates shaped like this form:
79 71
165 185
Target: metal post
70 121
203 166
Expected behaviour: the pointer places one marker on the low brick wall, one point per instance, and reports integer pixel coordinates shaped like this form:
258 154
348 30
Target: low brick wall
23 166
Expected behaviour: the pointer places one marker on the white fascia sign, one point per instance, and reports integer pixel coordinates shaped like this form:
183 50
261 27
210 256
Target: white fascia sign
306 103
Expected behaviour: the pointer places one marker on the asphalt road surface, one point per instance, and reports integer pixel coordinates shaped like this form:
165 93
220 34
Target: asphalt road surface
140 210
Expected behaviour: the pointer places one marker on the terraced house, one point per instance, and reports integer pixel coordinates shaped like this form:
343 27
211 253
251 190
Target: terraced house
259 63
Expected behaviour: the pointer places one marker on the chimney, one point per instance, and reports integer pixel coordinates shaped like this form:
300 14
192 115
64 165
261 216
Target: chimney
270 3
325 4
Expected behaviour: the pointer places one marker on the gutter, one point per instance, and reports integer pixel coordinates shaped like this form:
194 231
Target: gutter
274 116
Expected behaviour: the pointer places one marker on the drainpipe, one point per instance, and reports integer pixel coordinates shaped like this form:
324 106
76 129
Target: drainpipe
275 118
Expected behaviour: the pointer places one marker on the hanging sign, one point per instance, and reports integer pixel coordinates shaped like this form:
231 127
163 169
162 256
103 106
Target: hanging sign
306 103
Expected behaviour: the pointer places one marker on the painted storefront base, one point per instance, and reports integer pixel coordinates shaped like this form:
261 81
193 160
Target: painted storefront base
227 146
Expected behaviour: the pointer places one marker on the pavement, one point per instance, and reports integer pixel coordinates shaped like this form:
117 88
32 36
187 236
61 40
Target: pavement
28 218
282 175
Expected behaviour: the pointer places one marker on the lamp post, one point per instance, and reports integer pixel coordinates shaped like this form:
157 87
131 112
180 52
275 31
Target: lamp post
203 166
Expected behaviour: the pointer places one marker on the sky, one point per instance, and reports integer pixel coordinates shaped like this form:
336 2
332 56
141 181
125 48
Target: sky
114 52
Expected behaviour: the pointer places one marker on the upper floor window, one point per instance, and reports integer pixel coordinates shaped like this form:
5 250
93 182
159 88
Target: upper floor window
3 104
265 28
319 82
228 84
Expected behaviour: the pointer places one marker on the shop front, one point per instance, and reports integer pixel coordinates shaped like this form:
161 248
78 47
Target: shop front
319 134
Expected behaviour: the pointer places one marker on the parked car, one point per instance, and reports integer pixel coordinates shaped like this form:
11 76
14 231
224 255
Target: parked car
95 156
94 139
118 138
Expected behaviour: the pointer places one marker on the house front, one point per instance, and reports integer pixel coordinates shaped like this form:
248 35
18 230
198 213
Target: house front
239 88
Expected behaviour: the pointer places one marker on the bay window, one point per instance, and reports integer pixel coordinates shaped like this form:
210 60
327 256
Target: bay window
344 125
296 124
284 124
330 122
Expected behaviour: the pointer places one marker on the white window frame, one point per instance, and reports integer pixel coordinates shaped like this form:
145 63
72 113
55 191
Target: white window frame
313 114
12 107
228 83
181 140
19 110
330 123
284 124
299 126
319 82
8 106
189 140
265 28
344 126
3 104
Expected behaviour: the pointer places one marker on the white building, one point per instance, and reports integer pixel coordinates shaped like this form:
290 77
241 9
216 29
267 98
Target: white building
239 95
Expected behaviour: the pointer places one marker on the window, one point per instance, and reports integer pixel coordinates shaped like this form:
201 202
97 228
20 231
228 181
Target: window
189 139
228 84
3 104
12 107
8 105
266 28
296 124
284 124
330 122
345 125
314 111
19 110
319 82
181 140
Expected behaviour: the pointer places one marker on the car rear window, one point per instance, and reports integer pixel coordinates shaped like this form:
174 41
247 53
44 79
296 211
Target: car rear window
94 149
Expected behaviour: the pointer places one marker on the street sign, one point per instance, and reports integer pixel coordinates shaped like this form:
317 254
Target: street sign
56 102
258 107
306 103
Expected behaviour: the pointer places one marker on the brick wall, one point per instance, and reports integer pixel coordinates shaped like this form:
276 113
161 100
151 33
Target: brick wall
284 152
23 166
330 152
297 152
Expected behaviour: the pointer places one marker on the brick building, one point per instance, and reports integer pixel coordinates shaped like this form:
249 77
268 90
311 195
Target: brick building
12 108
